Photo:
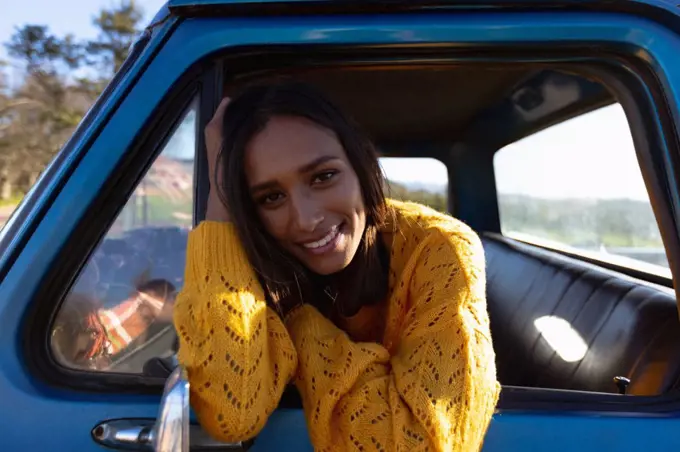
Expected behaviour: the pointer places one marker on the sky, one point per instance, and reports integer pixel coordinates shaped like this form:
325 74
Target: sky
591 156
61 16
588 157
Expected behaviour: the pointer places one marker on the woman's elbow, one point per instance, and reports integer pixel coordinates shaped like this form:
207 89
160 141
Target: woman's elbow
227 422
229 436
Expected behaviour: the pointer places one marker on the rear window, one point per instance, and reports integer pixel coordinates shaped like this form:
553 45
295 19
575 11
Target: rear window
577 185
421 180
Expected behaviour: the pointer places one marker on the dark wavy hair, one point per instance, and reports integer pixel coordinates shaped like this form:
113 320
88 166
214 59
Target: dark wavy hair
283 277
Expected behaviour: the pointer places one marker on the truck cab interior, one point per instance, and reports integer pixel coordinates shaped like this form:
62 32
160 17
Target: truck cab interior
462 116
625 319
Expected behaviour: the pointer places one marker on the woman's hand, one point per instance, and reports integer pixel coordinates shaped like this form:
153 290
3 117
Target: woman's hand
216 210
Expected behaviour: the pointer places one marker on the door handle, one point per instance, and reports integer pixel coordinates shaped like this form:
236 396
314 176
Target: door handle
138 435
171 432
125 434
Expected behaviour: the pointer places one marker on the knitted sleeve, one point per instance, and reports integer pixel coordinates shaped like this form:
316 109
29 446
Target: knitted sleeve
236 350
434 389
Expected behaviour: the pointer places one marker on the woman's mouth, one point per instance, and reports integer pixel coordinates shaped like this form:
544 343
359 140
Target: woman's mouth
327 243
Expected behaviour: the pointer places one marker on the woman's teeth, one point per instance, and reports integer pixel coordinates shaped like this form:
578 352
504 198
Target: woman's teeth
324 241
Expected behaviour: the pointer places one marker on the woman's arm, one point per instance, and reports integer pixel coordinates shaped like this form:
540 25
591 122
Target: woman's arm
237 352
435 389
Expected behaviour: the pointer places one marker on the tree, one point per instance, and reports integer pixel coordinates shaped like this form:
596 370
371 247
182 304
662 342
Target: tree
435 200
38 116
41 51
42 111
118 27
6 106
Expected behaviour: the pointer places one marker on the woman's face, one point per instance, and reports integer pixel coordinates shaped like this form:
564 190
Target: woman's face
306 192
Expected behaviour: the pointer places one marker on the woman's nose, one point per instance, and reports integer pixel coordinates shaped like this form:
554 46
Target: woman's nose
307 215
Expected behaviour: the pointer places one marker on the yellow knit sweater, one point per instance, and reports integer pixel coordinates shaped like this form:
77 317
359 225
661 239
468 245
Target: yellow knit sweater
429 383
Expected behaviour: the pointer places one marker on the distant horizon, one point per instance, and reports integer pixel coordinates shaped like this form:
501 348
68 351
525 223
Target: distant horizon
442 188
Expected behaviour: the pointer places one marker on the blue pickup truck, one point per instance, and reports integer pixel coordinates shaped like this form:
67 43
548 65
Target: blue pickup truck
580 95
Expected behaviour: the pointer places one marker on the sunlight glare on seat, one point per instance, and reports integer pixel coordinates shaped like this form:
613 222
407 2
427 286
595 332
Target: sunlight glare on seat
562 337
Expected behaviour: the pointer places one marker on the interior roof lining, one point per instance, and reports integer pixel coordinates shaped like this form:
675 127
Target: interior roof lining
368 95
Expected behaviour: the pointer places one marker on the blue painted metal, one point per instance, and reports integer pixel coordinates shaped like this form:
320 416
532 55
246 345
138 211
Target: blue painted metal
182 3
46 418
487 4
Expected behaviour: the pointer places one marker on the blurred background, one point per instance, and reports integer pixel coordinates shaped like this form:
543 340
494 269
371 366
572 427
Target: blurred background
55 59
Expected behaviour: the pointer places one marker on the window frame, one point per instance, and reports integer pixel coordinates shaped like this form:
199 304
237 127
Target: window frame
633 73
86 238
588 257
125 355
630 88
638 123
157 137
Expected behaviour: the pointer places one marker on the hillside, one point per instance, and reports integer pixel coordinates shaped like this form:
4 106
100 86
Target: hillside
583 223
404 192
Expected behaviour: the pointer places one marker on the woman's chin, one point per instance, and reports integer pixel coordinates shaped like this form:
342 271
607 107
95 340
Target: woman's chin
328 267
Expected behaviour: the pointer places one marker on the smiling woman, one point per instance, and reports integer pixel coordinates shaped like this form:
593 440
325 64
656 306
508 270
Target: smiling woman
299 153
303 272
299 159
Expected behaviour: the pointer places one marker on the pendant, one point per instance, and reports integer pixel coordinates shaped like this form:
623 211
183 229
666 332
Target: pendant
327 291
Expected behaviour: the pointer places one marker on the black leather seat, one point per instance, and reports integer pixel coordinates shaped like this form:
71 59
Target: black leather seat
561 323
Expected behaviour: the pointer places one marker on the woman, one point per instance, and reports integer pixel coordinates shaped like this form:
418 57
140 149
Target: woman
375 309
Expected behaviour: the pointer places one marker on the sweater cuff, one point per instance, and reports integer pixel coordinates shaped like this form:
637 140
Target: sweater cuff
215 247
291 317
306 320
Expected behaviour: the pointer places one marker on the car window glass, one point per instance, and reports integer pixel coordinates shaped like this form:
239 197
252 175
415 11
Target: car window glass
422 180
577 185
118 315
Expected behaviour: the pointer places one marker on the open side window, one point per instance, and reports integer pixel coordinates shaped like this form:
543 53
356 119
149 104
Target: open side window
577 186
579 288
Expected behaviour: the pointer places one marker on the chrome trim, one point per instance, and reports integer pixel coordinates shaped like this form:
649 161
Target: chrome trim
171 432
125 434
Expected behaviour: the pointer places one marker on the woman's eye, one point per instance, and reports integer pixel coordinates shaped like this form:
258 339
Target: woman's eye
271 198
324 177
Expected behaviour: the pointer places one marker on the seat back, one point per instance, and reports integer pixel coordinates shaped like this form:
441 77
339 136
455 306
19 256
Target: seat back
561 323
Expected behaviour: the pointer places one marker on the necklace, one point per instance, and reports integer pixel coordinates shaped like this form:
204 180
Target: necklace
327 291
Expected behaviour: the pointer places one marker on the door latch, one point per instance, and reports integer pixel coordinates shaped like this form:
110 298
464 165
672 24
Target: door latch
137 434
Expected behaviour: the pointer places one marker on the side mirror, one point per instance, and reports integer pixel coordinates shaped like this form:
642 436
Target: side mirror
171 431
